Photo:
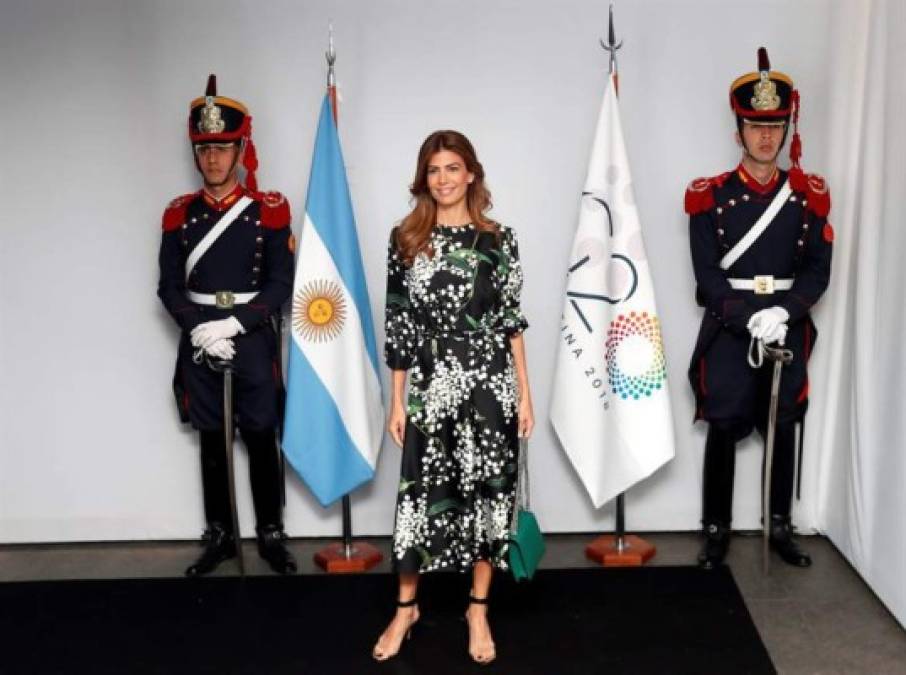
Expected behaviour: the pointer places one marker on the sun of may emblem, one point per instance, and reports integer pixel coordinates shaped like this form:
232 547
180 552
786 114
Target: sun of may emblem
319 311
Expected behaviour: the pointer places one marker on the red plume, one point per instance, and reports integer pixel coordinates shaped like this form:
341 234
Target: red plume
796 142
249 157
250 163
763 62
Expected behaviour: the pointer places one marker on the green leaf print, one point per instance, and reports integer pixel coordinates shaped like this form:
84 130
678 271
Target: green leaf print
406 484
513 315
427 558
472 322
460 254
397 300
498 482
414 405
503 266
459 262
444 505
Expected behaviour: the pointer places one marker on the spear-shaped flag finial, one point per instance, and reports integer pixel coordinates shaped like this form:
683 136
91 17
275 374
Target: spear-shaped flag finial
331 56
612 46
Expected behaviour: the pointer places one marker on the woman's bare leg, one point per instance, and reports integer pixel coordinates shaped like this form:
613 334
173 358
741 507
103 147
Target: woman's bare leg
481 642
389 643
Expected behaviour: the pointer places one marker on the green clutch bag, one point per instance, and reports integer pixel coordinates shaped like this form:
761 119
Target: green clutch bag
526 546
526 543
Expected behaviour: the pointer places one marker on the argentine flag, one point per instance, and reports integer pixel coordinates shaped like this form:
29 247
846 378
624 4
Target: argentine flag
334 416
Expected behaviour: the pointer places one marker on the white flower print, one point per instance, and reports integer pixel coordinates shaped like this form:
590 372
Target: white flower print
448 321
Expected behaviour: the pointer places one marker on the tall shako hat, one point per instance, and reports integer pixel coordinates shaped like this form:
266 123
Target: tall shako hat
218 119
767 97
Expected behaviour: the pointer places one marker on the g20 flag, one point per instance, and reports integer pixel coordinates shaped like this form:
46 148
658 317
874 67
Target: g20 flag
334 415
610 406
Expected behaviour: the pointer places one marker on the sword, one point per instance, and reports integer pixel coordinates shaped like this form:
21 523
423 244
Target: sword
780 357
226 367
277 324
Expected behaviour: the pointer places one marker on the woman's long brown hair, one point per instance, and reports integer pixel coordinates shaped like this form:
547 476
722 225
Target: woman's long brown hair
414 232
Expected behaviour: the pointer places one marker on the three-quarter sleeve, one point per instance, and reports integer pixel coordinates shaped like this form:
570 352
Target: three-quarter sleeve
399 346
509 271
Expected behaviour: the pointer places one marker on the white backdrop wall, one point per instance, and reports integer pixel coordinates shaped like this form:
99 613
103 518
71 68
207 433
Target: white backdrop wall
95 97
860 426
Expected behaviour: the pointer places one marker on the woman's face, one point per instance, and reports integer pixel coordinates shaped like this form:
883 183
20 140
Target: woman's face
448 179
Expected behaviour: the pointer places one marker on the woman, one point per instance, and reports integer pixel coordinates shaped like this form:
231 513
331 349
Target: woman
453 321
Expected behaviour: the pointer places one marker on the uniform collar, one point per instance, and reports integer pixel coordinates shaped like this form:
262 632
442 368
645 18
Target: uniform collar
226 202
752 183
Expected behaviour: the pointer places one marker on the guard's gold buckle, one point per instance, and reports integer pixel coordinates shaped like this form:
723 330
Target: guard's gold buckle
764 285
224 299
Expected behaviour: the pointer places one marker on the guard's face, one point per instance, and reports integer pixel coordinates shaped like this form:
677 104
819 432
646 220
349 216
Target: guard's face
448 179
762 141
217 162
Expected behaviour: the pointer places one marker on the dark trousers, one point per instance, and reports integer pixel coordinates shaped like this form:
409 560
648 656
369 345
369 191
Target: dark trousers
265 472
720 467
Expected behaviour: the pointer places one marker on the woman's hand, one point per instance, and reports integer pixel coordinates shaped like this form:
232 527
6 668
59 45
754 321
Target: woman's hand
526 417
396 423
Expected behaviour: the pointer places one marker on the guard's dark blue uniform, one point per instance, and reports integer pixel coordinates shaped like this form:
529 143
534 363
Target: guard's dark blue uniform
244 275
253 255
797 245
784 270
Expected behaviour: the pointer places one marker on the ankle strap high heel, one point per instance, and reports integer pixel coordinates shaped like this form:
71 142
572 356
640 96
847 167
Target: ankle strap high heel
490 653
380 654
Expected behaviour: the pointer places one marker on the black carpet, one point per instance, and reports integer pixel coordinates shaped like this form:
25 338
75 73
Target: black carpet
651 620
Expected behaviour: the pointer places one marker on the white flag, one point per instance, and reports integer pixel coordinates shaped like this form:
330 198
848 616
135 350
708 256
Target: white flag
610 405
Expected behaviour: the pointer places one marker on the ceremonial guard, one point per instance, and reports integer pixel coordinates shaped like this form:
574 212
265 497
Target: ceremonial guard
226 267
761 250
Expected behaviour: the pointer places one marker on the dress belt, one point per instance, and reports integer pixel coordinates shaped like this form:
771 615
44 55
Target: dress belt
763 284
433 334
221 299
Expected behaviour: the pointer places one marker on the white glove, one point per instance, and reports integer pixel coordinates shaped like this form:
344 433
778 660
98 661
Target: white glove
222 349
778 335
766 322
206 334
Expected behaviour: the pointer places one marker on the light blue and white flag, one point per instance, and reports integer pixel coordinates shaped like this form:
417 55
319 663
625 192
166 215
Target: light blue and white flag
334 414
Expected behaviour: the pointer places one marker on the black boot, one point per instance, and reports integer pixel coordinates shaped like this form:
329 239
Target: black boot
273 550
782 542
219 545
717 541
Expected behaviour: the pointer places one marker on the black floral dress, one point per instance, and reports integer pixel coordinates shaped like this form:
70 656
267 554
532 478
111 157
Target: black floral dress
448 321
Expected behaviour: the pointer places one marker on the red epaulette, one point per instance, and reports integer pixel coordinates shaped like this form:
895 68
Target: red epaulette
274 209
175 213
814 187
700 193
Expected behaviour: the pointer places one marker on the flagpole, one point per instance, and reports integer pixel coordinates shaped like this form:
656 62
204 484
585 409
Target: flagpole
618 550
612 47
344 557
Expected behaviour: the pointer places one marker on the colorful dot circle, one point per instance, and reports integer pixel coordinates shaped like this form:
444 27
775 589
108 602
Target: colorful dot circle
636 366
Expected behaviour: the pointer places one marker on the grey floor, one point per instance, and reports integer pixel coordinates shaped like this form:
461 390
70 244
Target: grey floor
820 620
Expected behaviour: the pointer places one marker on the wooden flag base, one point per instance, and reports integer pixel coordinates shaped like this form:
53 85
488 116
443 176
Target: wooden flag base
362 557
636 551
